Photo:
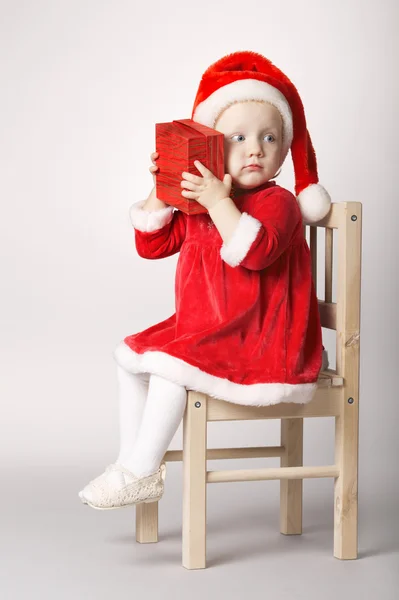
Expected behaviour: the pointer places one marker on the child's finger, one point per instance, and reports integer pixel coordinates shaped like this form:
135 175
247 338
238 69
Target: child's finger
202 168
188 185
191 177
188 194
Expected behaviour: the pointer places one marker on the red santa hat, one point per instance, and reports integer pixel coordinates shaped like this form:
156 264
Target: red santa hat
247 75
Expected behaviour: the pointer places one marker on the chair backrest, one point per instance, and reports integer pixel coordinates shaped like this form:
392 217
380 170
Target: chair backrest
343 316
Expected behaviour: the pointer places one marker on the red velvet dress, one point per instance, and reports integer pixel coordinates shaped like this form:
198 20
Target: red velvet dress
246 327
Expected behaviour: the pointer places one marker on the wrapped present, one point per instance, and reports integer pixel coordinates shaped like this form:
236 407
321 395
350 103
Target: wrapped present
179 143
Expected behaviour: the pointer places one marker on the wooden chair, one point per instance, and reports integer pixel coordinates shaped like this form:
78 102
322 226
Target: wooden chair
337 395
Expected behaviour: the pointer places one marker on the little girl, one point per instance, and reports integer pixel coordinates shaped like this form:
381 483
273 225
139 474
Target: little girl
246 328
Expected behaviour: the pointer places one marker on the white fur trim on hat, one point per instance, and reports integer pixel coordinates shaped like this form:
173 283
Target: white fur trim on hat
148 221
314 202
234 252
208 111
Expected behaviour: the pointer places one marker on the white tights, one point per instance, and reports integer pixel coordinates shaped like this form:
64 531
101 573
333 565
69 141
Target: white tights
150 411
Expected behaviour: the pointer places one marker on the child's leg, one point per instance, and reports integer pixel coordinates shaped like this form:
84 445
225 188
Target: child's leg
132 395
132 392
140 478
163 412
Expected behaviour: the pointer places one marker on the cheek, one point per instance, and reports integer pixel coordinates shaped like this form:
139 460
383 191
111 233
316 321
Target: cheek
231 157
227 157
276 154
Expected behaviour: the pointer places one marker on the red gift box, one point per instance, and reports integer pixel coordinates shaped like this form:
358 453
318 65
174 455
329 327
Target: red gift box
179 143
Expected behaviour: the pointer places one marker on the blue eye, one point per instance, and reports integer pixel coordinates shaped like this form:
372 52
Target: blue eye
240 138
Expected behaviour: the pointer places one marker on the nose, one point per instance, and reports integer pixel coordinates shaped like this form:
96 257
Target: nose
254 147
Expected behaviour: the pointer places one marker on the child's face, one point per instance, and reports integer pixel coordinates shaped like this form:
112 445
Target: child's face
252 134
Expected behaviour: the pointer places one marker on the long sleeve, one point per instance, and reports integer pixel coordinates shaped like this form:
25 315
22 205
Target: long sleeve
158 233
262 236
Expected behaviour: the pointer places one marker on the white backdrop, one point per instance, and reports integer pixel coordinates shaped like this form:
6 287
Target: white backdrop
83 83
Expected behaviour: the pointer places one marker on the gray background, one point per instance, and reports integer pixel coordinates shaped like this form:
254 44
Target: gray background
83 84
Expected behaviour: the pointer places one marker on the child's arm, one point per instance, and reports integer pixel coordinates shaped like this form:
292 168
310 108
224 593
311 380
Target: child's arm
261 237
158 233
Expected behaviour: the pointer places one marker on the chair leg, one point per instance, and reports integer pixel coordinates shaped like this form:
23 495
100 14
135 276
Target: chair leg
194 481
147 523
291 489
345 485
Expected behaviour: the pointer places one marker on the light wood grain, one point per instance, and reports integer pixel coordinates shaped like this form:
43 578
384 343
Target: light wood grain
313 253
348 347
269 474
291 491
194 481
147 523
231 453
328 265
327 402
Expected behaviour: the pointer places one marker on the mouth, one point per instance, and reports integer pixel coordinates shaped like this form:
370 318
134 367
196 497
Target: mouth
253 167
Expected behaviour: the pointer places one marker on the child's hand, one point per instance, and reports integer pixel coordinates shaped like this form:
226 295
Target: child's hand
152 201
155 168
208 189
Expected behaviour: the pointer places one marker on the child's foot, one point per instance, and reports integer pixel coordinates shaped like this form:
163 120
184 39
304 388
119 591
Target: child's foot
117 487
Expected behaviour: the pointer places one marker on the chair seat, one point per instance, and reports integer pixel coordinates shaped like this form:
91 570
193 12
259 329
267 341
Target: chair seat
329 378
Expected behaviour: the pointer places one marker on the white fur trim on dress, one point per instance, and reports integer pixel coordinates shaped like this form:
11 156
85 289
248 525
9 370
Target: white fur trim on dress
209 110
147 221
192 378
314 202
234 252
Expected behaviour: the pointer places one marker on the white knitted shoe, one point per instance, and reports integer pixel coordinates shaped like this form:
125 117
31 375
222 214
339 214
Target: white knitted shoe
113 467
117 488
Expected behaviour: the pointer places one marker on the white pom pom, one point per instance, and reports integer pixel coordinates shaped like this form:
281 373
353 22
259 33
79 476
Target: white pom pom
314 202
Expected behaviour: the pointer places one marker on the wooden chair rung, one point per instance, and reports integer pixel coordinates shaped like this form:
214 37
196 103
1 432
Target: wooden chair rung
328 314
328 265
313 253
272 474
231 453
